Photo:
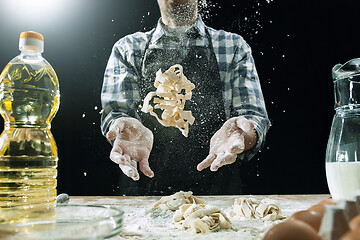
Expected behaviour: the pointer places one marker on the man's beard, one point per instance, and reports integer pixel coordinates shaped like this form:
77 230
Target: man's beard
182 13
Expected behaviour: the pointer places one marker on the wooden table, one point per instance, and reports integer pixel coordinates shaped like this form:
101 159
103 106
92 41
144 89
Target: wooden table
141 223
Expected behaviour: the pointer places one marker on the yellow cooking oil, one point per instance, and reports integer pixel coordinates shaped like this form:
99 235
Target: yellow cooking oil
29 99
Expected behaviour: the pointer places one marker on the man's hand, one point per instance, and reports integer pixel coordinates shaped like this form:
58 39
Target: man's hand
132 145
235 136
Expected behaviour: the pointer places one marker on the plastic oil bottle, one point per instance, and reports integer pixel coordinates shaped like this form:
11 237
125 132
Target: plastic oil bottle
29 99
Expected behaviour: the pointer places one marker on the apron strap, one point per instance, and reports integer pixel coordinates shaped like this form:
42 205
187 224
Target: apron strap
146 47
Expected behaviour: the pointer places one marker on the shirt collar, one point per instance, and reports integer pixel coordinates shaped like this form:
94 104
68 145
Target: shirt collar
199 28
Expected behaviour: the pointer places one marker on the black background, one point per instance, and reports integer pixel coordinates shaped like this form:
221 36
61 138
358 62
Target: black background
295 44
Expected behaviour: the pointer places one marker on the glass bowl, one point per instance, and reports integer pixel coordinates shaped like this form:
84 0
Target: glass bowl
86 222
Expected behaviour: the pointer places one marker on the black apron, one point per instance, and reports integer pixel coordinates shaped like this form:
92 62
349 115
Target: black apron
174 157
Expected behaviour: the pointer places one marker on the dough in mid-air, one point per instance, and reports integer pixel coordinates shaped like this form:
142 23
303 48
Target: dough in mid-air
266 209
173 202
201 218
172 91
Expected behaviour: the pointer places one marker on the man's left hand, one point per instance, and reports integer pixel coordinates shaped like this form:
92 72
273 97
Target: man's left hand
234 137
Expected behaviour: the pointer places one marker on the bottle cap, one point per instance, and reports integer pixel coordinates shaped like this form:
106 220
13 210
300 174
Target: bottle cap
31 41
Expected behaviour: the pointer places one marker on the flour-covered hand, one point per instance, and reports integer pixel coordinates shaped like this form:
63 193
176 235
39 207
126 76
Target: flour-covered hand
234 137
132 145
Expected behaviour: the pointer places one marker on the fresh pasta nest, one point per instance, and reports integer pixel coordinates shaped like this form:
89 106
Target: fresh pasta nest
172 91
265 209
173 202
201 218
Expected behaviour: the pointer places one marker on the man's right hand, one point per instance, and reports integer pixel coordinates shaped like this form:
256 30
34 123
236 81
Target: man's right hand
132 145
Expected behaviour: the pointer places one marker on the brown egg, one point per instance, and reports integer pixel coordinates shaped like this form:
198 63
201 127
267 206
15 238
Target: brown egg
355 223
328 201
351 235
310 217
319 208
291 230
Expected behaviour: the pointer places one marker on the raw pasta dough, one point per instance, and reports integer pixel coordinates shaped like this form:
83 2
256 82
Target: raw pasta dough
265 209
172 91
201 218
173 202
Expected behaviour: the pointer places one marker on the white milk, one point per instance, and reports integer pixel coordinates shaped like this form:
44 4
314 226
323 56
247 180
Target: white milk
343 179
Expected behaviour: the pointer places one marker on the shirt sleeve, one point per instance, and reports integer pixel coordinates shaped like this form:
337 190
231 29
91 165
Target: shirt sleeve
120 92
247 98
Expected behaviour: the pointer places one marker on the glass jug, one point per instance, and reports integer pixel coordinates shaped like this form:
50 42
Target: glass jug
343 148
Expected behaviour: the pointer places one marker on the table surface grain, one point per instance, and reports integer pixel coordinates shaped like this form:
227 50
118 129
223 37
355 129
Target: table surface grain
140 224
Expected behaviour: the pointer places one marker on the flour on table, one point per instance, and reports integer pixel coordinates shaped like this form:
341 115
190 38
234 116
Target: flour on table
266 209
142 225
173 202
200 218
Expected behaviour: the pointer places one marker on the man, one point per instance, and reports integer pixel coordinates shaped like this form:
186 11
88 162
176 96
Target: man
227 104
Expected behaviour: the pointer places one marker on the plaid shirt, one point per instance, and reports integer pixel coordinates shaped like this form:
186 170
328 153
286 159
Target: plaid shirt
240 83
